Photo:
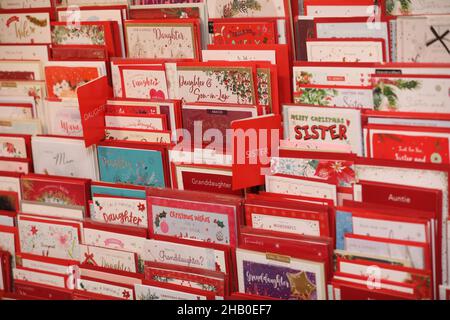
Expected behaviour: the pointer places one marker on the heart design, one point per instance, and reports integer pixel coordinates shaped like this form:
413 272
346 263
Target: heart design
157 94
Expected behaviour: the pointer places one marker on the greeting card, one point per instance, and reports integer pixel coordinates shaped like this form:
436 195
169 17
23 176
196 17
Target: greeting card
411 93
236 31
121 211
46 278
325 129
9 242
332 74
108 258
145 167
63 157
25 4
163 39
15 165
301 187
25 27
49 237
198 255
136 135
93 13
279 276
144 82
423 38
145 122
63 78
10 90
53 210
333 96
347 8
13 146
21 70
200 221
343 50
18 111
428 146
24 51
159 292
55 190
203 118
111 289
216 83
416 7
244 8
64 118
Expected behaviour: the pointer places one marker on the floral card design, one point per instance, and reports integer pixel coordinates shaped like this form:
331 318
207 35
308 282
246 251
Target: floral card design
120 211
62 81
162 40
49 239
325 129
264 85
91 34
345 51
425 93
404 147
242 33
331 96
423 38
218 9
131 166
335 171
25 28
108 258
193 220
11 147
144 82
216 84
34 89
416 7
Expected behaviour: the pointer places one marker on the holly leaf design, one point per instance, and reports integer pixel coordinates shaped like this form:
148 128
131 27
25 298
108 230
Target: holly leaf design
220 224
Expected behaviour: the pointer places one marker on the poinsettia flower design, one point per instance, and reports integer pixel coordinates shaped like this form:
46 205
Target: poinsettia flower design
125 294
336 171
33 230
141 207
62 239
10 147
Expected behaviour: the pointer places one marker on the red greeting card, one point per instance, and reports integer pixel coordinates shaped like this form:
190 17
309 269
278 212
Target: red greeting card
242 31
55 190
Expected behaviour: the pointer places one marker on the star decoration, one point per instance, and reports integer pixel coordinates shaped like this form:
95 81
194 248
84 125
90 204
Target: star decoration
301 287
141 207
125 294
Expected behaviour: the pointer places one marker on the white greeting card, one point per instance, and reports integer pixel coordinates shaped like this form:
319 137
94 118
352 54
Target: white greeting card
148 292
12 147
301 187
24 52
63 157
106 289
138 135
144 82
63 118
184 255
218 9
328 127
108 258
156 122
162 40
412 93
121 211
25 27
423 39
53 280
329 50
215 84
